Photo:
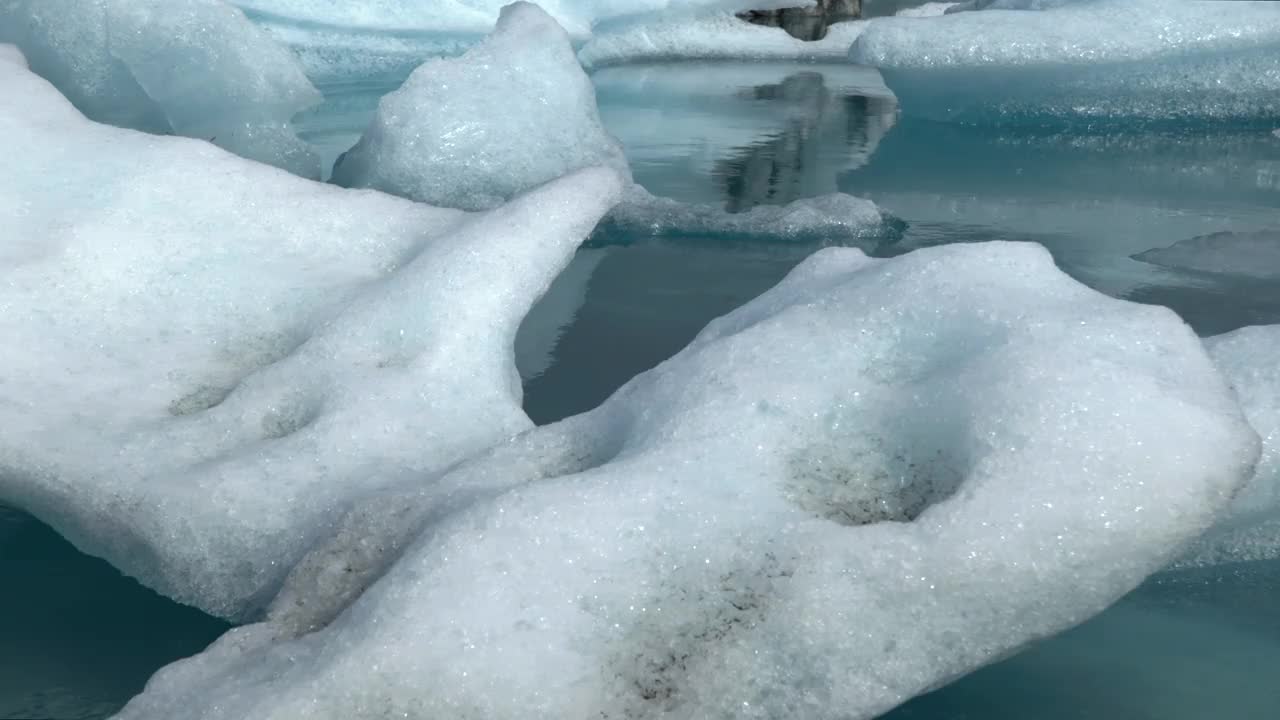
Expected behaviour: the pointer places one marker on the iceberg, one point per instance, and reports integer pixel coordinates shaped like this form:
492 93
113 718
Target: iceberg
1247 254
1251 530
219 358
877 476
708 36
1113 63
196 68
471 132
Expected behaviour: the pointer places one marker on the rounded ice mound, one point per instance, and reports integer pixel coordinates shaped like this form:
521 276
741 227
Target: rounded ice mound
875 477
196 68
217 358
470 132
1251 531
1112 62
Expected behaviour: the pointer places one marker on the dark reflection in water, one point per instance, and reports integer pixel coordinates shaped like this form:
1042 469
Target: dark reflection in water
787 165
744 135
77 638
1193 645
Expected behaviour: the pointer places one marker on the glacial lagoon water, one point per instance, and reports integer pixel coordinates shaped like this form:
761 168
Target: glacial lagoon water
79 639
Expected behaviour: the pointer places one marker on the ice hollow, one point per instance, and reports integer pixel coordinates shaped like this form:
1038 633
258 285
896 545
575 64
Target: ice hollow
196 68
875 477
1121 63
470 132
217 357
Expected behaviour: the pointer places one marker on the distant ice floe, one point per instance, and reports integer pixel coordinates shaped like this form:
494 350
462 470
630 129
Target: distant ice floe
1114 63
708 36
196 68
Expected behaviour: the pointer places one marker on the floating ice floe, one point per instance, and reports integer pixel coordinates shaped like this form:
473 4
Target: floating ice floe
828 219
479 16
217 357
196 68
708 36
1249 254
929 9
1118 63
1250 360
875 477
470 132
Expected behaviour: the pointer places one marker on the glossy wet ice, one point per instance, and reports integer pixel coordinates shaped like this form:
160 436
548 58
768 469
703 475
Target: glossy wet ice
1185 646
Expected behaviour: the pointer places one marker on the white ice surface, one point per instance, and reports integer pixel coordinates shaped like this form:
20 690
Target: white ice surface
708 36
479 16
470 132
1085 63
209 359
196 68
873 478
832 219
1250 360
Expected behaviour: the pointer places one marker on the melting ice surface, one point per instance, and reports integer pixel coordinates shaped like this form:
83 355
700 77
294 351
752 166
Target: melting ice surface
1095 200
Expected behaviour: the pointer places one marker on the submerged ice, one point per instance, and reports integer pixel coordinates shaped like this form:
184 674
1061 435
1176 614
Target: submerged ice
196 68
875 477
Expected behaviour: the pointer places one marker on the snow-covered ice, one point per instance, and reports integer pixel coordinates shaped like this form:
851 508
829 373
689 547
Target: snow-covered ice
1085 63
706 36
829 219
479 16
219 357
1250 360
470 132
875 477
196 68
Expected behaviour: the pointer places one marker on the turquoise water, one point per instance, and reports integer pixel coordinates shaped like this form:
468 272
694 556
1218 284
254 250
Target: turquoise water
77 639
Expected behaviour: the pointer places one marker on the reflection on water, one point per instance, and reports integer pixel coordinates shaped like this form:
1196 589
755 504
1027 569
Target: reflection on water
742 135
78 639
789 164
